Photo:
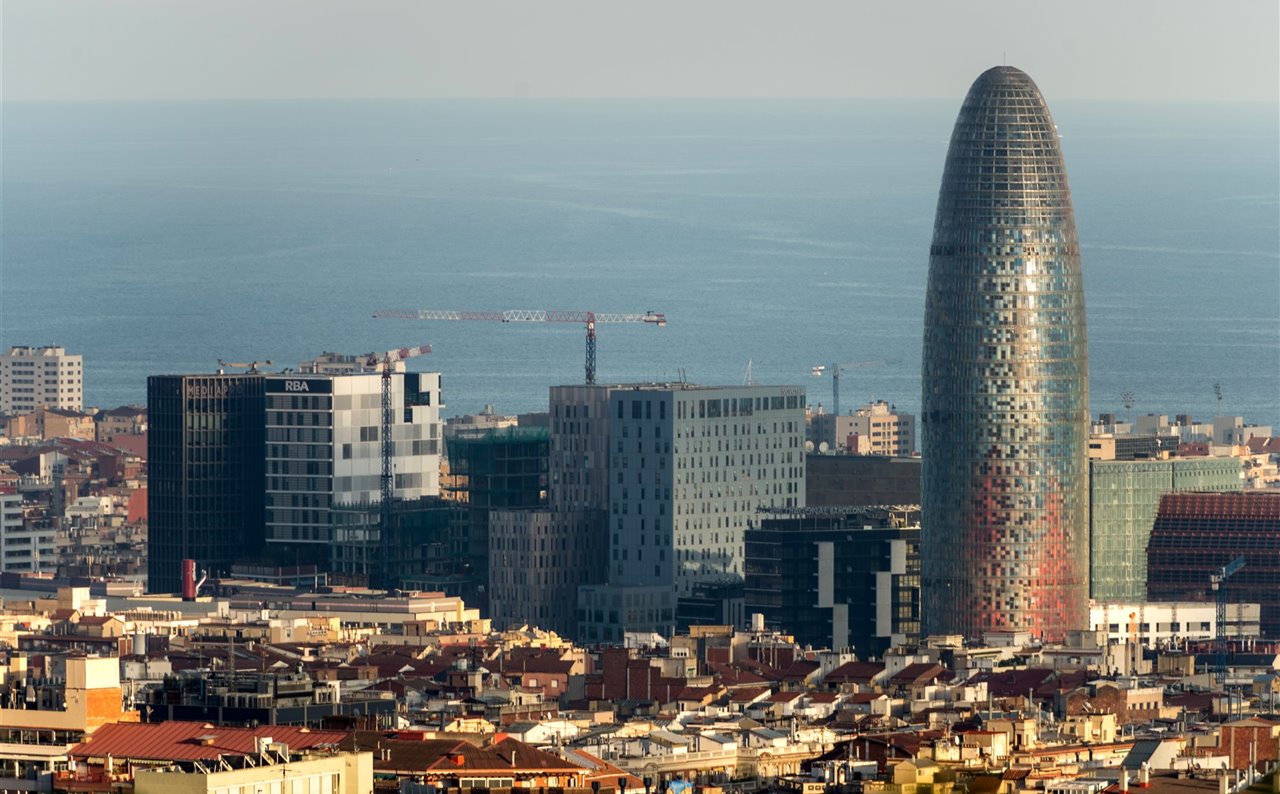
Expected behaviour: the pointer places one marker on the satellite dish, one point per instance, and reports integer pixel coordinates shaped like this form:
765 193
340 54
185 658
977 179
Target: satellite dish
823 447
808 446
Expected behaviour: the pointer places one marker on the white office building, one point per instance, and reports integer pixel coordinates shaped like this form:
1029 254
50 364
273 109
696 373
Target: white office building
25 547
324 449
32 377
1170 623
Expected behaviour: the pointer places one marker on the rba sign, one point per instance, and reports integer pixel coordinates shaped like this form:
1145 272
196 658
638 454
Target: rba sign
297 385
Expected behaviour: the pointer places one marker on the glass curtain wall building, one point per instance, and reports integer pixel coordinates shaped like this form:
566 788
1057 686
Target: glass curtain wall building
1004 540
205 495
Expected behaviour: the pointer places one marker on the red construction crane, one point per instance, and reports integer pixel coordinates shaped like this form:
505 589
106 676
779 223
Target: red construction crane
388 361
534 316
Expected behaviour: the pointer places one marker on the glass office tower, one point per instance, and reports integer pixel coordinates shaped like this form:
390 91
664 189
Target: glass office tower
1004 540
206 441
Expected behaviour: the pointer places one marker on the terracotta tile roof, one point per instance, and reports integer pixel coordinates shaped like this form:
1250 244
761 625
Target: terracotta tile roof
1014 683
921 672
747 695
452 756
98 620
854 673
800 670
1258 444
193 741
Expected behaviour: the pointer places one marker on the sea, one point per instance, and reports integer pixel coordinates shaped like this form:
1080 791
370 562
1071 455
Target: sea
776 236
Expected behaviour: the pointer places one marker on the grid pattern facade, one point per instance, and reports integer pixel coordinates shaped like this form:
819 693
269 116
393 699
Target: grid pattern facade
1005 377
686 468
323 450
205 473
1123 497
1195 534
32 377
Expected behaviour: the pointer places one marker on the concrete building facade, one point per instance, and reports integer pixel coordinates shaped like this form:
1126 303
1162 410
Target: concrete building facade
1163 623
687 466
34 377
877 428
25 546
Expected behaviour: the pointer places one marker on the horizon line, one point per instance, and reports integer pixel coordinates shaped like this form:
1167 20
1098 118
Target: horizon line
604 98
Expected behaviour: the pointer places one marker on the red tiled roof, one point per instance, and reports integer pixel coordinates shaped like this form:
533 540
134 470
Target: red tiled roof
747 695
854 673
920 672
800 670
98 620
181 741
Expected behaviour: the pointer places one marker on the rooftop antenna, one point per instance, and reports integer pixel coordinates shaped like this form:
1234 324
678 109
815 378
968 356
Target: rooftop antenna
1217 392
1127 399
750 379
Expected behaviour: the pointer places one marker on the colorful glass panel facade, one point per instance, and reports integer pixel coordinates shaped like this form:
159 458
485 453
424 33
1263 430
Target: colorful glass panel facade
1004 542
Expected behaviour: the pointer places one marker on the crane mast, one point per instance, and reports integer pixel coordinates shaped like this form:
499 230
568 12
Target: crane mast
387 362
838 369
590 319
1216 581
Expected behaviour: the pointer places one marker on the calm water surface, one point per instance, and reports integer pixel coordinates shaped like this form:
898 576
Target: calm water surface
160 237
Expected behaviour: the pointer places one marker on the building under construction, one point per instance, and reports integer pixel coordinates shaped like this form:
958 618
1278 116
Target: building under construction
489 469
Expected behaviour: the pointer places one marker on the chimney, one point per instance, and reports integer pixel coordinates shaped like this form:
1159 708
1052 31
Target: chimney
188 580
1124 781
1223 784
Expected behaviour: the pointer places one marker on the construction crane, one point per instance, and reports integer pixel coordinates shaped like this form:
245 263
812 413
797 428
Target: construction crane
837 369
250 366
1215 584
534 316
387 362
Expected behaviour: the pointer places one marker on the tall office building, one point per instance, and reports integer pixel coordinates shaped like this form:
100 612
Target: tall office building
685 468
1004 540
838 578
323 451
32 377
205 473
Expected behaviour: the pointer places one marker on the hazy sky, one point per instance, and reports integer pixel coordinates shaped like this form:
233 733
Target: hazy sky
201 49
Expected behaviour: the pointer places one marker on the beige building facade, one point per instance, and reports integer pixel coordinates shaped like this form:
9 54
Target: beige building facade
31 377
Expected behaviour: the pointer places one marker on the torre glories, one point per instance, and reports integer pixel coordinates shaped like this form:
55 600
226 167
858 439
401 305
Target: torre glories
1004 541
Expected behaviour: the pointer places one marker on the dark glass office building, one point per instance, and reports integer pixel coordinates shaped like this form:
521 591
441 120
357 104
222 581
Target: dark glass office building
837 577
1004 491
206 481
1195 534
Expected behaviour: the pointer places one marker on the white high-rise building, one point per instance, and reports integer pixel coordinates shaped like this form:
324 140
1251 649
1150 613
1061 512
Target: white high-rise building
32 377
324 449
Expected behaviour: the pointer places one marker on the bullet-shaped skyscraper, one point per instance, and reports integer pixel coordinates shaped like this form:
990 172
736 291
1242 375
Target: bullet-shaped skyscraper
1004 541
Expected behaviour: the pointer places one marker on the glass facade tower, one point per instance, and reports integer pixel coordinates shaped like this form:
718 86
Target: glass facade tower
205 495
1004 491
